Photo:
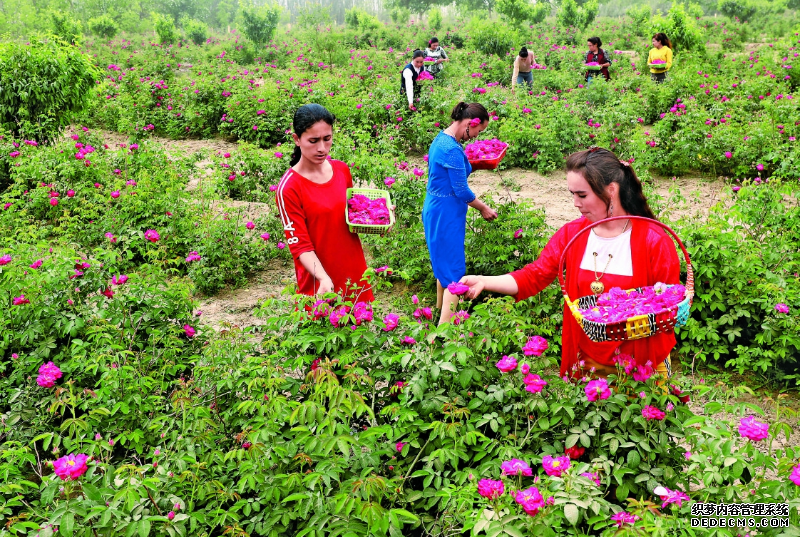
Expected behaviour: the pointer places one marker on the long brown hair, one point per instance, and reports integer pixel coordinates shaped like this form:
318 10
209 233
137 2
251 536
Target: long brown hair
663 39
601 167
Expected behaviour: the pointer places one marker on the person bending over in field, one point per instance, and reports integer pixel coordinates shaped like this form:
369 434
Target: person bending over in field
311 198
408 78
619 253
523 67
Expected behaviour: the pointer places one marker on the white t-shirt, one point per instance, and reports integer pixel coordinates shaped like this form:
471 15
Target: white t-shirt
619 247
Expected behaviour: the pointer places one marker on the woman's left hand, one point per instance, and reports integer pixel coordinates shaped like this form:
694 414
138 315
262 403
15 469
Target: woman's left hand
394 219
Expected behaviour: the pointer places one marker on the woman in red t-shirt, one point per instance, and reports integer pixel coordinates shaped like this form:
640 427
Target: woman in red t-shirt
312 198
620 253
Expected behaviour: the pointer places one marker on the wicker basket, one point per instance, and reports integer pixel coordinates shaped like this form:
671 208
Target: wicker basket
372 194
489 164
592 67
639 326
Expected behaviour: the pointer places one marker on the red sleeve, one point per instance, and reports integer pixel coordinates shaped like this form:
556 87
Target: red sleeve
290 204
664 260
535 276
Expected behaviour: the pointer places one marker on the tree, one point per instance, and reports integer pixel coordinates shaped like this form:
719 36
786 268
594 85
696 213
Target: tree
103 26
259 23
435 19
399 15
517 12
681 27
739 9
569 14
314 16
640 14
413 6
65 27
225 12
165 28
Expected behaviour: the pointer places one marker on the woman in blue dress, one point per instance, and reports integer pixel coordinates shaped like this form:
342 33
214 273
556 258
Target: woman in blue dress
444 213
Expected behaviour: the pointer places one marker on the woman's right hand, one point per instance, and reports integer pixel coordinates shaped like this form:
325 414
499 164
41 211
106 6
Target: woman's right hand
476 286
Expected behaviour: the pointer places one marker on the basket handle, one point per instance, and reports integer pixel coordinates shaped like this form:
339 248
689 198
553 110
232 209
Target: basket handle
689 271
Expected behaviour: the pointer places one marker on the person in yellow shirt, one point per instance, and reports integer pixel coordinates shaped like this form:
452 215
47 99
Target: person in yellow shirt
661 51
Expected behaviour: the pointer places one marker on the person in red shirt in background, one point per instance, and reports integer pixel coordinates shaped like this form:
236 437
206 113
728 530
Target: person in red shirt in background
597 54
619 253
311 198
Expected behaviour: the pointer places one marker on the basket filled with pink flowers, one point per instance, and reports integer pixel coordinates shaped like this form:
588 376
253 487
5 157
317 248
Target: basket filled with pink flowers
626 314
424 77
592 66
657 64
369 211
486 154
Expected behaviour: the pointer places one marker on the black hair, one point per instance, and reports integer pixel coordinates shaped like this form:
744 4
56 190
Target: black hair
433 40
596 41
417 54
523 52
601 167
304 118
469 111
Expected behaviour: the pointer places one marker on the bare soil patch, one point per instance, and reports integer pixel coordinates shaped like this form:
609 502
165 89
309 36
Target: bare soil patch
550 192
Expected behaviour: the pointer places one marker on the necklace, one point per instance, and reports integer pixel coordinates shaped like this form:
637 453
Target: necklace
597 286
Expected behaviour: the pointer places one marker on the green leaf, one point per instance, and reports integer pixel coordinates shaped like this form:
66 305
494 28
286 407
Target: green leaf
67 527
571 513
92 492
513 531
622 492
634 459
144 527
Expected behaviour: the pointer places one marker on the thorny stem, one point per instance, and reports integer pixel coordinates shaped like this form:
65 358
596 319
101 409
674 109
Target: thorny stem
408 473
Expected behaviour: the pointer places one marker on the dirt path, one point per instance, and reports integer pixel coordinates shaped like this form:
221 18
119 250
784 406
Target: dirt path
236 307
550 192
177 148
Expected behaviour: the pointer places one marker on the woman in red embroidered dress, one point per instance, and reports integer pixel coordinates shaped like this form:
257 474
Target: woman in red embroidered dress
621 253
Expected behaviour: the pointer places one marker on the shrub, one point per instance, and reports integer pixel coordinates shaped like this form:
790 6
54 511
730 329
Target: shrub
104 26
259 23
165 28
196 31
53 82
489 38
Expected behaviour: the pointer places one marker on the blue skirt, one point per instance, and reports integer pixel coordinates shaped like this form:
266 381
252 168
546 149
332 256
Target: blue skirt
445 222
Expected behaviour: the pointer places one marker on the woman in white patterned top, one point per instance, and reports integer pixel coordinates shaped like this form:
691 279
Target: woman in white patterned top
437 53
